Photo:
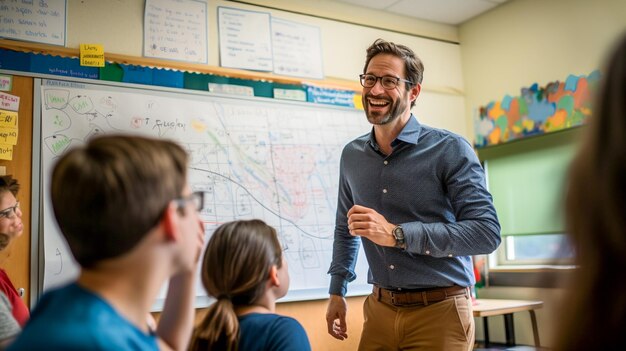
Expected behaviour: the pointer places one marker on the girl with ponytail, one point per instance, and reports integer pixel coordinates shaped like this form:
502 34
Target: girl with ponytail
244 270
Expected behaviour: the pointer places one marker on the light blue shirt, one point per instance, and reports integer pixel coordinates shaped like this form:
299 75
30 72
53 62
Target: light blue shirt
74 318
432 185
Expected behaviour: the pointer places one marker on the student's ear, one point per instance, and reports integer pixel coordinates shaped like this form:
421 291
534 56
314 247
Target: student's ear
169 222
274 280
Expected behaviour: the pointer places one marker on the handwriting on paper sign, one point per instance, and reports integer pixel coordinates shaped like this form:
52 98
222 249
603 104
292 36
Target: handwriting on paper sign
6 152
9 102
175 32
33 20
92 55
57 143
8 137
6 83
81 104
56 98
8 119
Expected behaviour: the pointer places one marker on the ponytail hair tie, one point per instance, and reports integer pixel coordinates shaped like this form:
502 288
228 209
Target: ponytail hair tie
224 297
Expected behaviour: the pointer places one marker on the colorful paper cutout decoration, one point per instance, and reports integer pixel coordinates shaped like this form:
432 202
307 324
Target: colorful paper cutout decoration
538 110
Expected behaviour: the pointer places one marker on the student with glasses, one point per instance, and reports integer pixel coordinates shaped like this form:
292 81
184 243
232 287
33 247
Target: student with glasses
13 310
131 222
245 270
415 197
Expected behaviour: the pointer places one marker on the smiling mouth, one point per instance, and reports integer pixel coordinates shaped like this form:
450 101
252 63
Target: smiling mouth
377 102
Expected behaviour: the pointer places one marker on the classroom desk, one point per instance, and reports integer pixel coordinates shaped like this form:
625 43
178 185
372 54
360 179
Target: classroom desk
495 307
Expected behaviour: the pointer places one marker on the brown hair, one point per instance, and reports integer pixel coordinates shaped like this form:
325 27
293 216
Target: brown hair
235 270
10 184
413 66
595 310
108 194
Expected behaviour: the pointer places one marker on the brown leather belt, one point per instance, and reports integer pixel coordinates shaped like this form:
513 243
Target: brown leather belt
418 297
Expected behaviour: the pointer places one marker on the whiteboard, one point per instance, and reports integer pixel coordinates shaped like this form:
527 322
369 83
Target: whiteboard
253 158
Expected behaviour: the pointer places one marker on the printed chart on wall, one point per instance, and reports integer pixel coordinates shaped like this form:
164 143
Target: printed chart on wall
253 158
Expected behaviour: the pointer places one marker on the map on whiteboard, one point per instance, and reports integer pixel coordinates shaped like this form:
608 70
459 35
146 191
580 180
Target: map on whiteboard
253 158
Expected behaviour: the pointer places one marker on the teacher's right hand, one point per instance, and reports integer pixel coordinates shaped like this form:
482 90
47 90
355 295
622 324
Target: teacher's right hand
336 317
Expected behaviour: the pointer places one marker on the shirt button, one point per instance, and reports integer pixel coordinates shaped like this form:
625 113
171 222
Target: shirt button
392 267
427 252
384 191
386 162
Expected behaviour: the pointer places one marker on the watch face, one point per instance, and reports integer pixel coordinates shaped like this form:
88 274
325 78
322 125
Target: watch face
398 233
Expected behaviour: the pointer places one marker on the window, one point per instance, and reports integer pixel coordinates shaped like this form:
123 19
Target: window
526 179
535 249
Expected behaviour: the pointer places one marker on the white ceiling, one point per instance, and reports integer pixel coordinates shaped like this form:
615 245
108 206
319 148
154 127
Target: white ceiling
453 12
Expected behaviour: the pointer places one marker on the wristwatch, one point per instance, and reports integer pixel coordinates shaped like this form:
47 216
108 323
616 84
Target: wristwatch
398 234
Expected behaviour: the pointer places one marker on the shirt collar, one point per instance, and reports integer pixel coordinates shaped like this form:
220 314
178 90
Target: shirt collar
409 134
411 131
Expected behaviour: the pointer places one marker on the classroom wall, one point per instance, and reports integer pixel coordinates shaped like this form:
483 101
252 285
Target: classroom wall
533 41
345 34
343 44
515 45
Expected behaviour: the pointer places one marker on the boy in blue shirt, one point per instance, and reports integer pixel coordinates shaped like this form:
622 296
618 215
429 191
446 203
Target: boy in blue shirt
131 222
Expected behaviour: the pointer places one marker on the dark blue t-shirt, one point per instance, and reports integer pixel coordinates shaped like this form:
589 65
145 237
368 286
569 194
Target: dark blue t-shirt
73 318
265 332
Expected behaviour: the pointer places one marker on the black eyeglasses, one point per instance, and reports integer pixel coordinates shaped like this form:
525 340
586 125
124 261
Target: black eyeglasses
388 82
10 212
196 199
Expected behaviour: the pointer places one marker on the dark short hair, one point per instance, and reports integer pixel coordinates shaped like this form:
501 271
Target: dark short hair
108 194
8 183
413 66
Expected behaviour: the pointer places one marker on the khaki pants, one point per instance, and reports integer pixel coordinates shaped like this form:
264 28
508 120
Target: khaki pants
447 325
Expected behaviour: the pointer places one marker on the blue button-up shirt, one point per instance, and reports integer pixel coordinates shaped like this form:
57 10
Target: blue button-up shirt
432 185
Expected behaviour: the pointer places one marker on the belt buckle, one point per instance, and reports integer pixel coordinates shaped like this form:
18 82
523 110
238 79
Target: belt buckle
393 298
398 299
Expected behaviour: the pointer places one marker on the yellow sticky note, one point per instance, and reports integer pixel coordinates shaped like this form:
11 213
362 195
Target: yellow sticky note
358 101
92 55
8 119
8 136
6 152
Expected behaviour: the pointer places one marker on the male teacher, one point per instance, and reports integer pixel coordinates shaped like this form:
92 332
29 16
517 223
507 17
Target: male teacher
416 197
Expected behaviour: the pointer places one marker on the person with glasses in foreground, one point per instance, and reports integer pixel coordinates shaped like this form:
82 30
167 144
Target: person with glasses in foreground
245 270
131 222
13 310
415 196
